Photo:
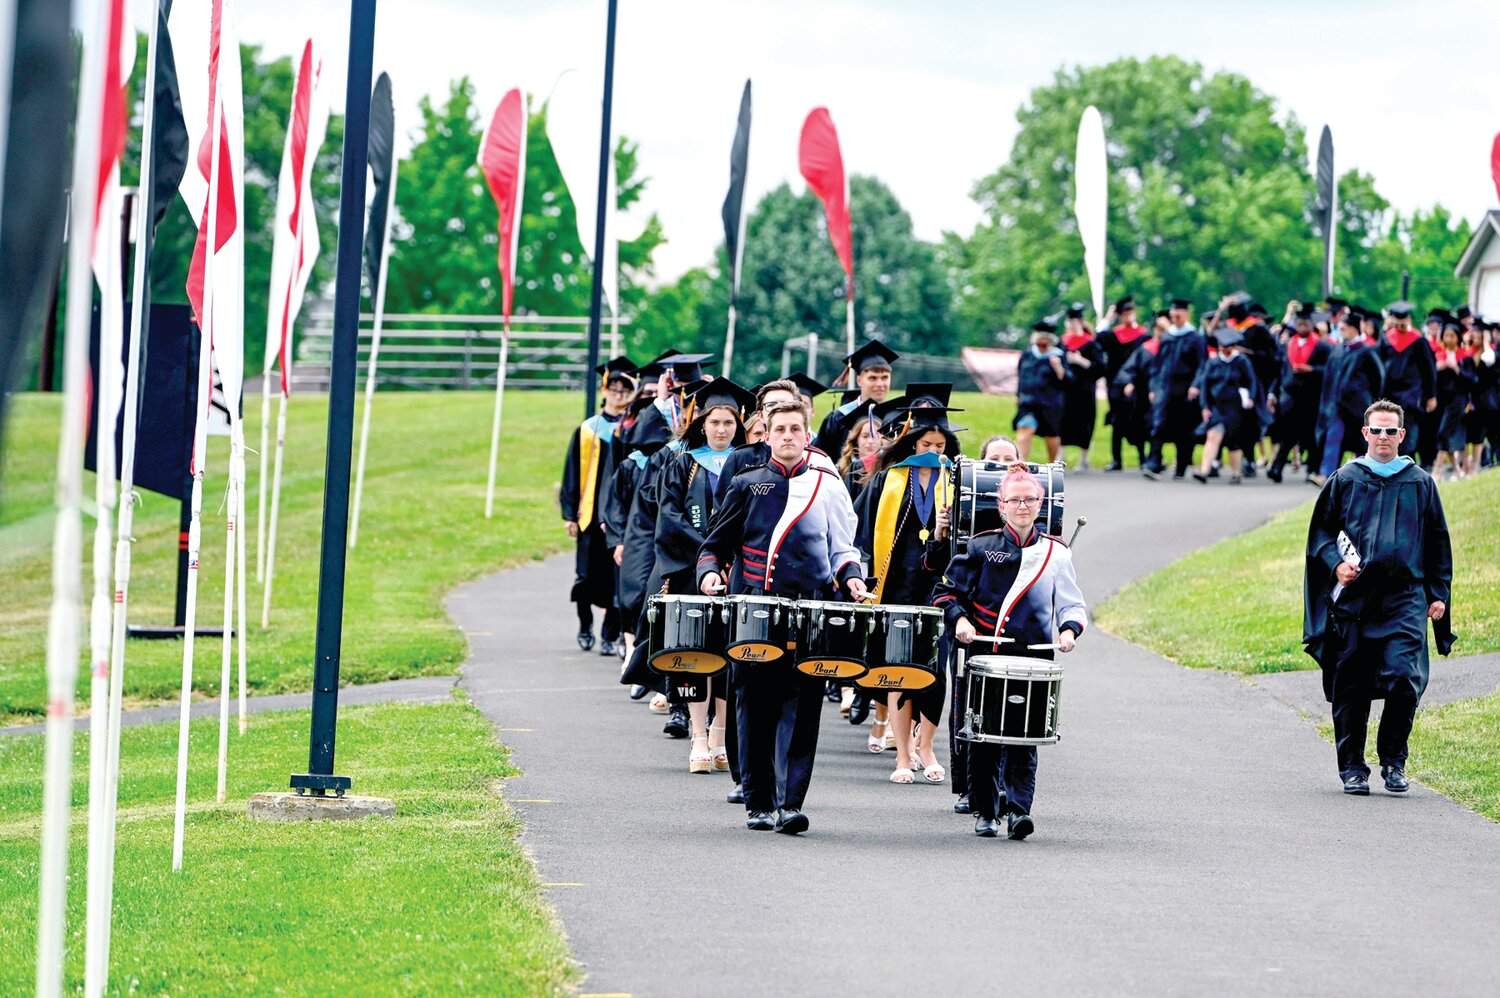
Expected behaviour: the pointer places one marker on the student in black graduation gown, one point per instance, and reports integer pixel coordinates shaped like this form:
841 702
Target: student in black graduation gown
1410 372
1085 359
1455 385
686 491
1298 388
862 449
1351 381
1226 390
1134 383
660 421
588 473
1042 376
1119 337
1379 567
753 455
1484 416
1174 411
1259 345
904 513
870 367
630 588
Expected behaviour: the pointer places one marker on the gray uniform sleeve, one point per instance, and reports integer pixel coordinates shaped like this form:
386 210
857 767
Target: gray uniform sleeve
1067 599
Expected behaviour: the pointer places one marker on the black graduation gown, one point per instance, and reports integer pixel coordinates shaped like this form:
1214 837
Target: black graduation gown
1410 374
1298 394
1260 345
640 541
1484 420
1398 528
1453 391
1351 381
685 505
1119 345
913 566
835 428
1138 370
583 502
1219 392
1177 363
1040 393
1080 408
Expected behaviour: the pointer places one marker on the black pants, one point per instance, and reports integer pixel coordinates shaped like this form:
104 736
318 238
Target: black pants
778 710
1176 422
611 629
997 768
958 749
1412 420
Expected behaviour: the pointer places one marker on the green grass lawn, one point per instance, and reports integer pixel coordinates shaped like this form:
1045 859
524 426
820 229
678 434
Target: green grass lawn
422 533
1453 750
437 900
1238 604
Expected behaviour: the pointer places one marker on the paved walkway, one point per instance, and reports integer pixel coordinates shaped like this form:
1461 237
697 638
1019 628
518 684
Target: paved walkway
1192 837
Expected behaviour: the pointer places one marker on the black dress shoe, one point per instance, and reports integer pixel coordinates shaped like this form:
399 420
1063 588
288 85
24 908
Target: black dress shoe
1357 785
638 691
759 821
832 692
790 821
1395 779
607 647
1178 476
1152 472
961 806
1274 474
986 828
1021 826
677 722
735 796
586 640
1200 478
1114 466
859 709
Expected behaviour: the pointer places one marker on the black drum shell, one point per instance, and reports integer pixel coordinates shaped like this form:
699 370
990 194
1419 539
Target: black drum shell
690 641
832 639
760 628
1010 709
981 480
902 655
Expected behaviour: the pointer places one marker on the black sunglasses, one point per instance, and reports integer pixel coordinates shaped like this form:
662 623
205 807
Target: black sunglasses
1383 431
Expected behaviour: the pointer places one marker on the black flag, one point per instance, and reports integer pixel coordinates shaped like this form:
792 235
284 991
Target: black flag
35 170
382 171
1325 211
169 142
734 201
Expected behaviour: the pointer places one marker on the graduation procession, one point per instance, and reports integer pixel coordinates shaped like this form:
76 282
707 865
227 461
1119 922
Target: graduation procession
657 550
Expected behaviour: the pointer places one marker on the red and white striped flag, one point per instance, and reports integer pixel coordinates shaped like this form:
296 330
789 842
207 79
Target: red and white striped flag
296 244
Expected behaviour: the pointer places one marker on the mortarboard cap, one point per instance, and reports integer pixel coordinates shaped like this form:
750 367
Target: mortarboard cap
721 392
1353 317
934 417
1238 312
1305 311
1337 304
1438 315
1257 310
1044 326
620 368
1180 303
1228 336
1075 311
1400 309
1125 304
892 412
1462 312
874 355
689 366
931 393
808 387
850 394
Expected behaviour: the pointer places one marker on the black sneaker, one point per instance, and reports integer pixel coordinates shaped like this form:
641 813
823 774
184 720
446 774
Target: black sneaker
677 722
1395 779
1021 826
607 647
1357 785
586 640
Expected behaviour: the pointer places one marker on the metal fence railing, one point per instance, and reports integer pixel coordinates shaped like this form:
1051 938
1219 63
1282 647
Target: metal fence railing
436 352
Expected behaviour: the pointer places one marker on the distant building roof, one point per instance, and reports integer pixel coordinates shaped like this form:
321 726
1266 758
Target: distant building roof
1478 243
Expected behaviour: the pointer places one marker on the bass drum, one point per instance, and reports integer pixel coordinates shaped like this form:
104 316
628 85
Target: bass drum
902 656
832 638
976 490
687 634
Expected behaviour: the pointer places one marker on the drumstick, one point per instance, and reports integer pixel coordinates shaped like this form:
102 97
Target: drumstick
995 640
1051 646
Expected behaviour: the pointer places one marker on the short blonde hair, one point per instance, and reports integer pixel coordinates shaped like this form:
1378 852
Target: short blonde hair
778 408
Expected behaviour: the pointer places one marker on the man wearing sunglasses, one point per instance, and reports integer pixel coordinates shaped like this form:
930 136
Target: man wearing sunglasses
1379 566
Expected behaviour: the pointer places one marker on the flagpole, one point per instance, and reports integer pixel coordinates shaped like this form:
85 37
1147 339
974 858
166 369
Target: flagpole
265 597
265 444
200 455
364 430
67 538
599 221
849 317
729 340
232 509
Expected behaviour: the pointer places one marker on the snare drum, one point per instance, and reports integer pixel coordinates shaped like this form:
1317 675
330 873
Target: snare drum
1011 700
977 493
760 628
902 655
832 637
687 633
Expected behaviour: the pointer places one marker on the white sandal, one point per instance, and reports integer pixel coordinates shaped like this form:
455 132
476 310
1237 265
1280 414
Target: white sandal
877 743
700 762
902 776
659 704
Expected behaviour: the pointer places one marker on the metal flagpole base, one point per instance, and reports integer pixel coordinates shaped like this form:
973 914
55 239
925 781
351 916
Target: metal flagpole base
319 784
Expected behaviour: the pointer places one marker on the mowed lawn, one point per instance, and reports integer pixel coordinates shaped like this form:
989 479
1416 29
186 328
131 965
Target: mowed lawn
1238 604
422 532
440 899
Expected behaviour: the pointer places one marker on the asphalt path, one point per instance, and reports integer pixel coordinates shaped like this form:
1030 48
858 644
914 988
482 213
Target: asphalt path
1192 837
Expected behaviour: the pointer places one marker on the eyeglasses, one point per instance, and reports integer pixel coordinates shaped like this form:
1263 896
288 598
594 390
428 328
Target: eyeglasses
1031 502
617 390
1383 431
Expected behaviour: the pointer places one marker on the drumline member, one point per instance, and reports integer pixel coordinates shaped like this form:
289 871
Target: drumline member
903 529
870 366
588 472
1086 361
1041 380
1018 583
786 528
686 491
999 449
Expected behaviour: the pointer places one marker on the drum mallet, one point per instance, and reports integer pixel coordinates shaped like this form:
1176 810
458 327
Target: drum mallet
1077 528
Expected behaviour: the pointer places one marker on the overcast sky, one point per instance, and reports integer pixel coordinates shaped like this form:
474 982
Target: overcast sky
1409 88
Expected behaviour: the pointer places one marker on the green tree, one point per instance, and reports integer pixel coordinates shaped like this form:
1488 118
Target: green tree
792 284
268 101
445 244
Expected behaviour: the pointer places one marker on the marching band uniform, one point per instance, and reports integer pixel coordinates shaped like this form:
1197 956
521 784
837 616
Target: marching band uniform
1025 589
1119 343
788 532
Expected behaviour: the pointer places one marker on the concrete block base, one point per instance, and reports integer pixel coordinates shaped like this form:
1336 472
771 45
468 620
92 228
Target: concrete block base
288 806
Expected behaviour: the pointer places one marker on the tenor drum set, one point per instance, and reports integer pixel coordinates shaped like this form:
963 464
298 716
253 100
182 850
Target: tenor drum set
976 490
